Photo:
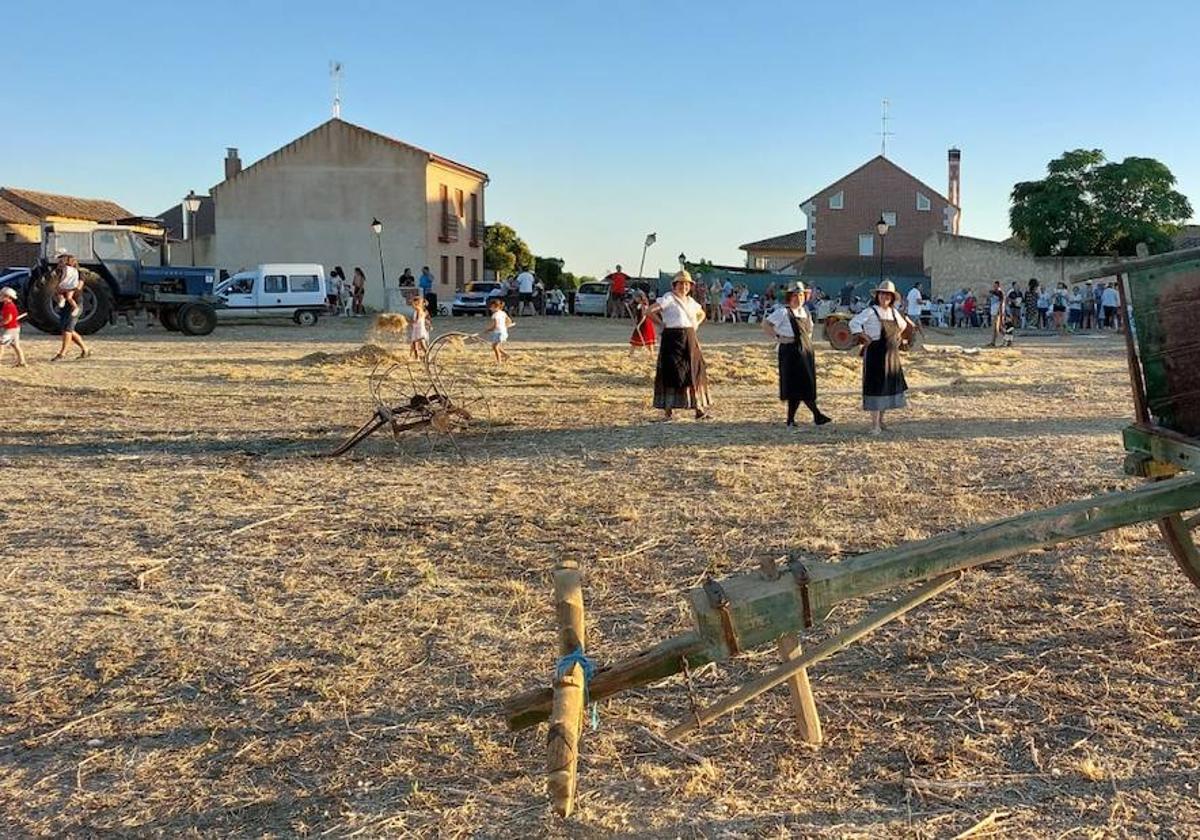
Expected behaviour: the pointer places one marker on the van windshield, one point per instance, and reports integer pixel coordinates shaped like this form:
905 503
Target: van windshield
593 289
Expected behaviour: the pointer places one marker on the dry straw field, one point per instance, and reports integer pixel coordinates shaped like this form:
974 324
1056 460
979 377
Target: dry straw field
209 632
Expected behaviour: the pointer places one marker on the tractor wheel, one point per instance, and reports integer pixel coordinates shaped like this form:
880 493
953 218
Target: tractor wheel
197 319
305 318
169 318
97 303
837 330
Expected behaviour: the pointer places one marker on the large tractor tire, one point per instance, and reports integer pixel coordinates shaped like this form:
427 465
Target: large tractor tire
97 303
169 318
197 319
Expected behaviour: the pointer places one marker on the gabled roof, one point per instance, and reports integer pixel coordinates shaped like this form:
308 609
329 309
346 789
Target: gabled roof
42 204
15 215
932 192
795 241
336 122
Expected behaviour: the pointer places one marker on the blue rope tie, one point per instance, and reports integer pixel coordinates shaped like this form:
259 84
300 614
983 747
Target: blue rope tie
566 663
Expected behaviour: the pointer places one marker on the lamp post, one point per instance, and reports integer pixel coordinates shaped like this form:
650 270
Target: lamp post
651 238
377 226
191 203
881 227
1062 261
682 261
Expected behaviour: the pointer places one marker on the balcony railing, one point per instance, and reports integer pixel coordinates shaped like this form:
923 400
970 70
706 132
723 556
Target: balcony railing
449 226
478 230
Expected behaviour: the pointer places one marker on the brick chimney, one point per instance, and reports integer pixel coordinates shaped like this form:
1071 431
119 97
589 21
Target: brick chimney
233 163
954 161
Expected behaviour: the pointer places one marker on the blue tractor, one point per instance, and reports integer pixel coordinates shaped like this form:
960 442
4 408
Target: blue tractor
125 267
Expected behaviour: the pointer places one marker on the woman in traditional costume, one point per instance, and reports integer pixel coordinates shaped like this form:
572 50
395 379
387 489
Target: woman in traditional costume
680 380
791 326
880 330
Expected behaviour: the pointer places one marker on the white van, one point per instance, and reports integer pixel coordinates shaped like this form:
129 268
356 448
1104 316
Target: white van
274 290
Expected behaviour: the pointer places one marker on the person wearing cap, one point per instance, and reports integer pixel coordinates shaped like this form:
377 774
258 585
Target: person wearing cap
880 329
10 324
680 380
791 326
69 299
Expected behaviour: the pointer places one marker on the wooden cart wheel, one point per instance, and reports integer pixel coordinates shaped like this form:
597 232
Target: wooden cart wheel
1177 530
837 330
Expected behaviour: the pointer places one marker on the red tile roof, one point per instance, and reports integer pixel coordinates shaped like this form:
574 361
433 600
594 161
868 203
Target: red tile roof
41 204
15 215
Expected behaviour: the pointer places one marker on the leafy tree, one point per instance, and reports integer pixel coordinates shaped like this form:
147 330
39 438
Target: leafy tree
503 251
1098 207
550 271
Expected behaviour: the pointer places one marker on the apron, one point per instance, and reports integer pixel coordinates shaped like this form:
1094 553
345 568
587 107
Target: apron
797 366
883 376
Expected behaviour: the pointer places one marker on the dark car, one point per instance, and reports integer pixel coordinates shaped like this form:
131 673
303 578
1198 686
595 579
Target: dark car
474 299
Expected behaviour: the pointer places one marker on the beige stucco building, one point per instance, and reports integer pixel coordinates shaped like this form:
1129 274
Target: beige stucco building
314 200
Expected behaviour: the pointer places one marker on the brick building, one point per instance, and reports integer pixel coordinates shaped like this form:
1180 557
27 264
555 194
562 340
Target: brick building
22 213
842 243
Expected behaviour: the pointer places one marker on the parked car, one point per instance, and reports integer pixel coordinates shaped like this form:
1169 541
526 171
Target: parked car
474 299
592 299
17 278
274 290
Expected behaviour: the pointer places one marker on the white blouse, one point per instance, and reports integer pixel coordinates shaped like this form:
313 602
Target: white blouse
868 321
779 321
679 312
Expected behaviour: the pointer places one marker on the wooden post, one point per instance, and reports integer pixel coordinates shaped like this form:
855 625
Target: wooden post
566 715
804 707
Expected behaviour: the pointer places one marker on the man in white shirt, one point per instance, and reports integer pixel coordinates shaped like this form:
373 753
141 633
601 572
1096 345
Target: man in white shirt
525 290
913 309
1111 300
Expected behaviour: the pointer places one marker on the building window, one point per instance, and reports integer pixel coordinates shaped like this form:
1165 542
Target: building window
476 225
449 218
10 237
460 274
474 270
761 263
458 203
889 217
922 202
445 275
866 244
837 201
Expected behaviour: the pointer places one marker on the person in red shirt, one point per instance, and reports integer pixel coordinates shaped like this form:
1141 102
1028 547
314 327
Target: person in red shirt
10 324
617 286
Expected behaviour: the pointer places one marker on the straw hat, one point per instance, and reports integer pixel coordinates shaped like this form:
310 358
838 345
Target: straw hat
8 292
682 277
886 286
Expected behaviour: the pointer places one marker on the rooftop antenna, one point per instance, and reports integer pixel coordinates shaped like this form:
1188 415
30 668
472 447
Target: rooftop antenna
884 134
335 74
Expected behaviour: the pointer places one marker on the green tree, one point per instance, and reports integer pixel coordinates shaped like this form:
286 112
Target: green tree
550 271
1098 207
503 251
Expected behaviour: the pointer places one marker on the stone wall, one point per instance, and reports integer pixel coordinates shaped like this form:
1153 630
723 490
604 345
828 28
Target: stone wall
956 262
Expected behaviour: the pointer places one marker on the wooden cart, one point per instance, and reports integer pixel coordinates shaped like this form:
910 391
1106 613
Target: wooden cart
775 605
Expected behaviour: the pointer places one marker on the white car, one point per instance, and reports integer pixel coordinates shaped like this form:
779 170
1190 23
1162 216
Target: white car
592 299
274 290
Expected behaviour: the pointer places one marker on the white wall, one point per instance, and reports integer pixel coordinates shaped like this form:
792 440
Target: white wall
314 202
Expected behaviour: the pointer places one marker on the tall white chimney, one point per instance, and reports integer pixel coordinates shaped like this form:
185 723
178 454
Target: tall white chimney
954 161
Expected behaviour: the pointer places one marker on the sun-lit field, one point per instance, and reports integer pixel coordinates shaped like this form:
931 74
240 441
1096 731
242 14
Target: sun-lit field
207 630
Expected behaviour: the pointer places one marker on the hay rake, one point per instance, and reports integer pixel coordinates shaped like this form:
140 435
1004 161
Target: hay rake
433 394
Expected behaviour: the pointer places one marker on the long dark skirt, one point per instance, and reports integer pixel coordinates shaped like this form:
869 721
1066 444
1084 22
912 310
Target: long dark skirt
680 380
883 376
797 372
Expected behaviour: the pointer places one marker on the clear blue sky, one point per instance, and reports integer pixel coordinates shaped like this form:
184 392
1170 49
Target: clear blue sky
706 122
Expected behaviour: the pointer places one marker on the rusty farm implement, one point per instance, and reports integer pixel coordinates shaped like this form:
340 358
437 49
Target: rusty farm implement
775 604
433 394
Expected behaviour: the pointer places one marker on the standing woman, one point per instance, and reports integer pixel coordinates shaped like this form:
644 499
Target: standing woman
680 380
791 326
358 290
69 299
880 329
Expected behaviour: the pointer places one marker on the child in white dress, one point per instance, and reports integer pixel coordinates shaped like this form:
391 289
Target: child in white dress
497 332
418 329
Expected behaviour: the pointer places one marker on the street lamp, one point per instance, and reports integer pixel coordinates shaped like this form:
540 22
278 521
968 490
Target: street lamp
682 261
191 203
1062 261
881 227
651 238
377 226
